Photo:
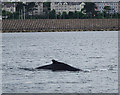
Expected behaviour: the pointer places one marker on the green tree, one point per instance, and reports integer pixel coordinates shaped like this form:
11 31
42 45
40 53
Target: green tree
81 15
0 10
76 15
115 15
100 15
70 15
30 6
107 9
59 15
90 9
52 14
118 15
20 9
6 14
47 5
19 6
64 15
46 8
26 8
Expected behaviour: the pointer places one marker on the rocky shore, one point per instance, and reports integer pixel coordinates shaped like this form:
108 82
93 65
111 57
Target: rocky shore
59 25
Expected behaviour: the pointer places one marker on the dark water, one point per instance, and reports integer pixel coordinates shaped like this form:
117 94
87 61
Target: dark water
96 52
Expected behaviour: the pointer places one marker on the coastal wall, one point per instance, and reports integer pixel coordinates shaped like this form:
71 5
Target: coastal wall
59 25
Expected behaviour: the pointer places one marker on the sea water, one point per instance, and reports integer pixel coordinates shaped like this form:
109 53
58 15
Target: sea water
95 52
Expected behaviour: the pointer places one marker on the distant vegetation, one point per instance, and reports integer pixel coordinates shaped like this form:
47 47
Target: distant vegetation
89 11
0 11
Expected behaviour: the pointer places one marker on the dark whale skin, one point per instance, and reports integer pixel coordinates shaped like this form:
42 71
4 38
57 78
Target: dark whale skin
58 66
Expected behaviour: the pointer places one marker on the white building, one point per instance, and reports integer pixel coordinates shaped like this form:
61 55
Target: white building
61 7
10 7
119 7
38 10
113 5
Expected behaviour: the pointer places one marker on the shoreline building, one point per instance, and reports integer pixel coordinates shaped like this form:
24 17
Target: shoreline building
38 9
113 5
10 7
119 7
67 7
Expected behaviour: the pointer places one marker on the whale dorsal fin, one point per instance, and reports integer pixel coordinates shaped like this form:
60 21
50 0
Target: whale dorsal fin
54 61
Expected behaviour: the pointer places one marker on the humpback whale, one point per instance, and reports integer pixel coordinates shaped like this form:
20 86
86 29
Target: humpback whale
58 66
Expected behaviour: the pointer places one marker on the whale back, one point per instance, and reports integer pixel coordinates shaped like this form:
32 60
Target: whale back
62 66
58 66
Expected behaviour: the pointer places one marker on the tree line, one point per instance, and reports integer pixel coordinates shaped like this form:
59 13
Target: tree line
25 11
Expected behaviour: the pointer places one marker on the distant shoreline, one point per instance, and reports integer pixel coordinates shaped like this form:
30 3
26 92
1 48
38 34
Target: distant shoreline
60 25
59 31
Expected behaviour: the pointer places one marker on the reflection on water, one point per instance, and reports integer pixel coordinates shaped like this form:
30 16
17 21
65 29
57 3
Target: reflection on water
95 52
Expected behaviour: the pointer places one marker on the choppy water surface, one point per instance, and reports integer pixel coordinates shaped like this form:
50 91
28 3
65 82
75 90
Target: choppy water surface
92 51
